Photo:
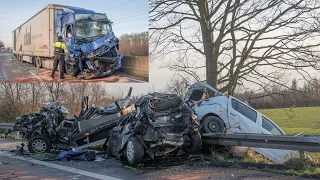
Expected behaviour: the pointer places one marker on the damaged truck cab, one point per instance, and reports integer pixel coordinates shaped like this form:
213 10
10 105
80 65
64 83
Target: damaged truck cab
92 45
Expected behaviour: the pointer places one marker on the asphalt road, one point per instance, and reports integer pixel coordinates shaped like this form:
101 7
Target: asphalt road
13 166
14 71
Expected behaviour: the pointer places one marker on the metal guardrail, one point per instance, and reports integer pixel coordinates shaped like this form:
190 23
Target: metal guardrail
301 143
6 125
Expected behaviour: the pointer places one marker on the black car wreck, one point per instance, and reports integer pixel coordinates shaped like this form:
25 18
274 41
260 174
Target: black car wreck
51 129
161 125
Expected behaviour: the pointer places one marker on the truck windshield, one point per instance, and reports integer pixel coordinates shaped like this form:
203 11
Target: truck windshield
90 30
90 27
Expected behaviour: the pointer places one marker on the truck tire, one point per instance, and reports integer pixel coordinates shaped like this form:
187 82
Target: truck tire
39 144
212 124
72 69
134 151
20 58
38 62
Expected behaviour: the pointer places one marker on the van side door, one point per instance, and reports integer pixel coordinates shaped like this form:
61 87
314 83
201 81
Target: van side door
242 118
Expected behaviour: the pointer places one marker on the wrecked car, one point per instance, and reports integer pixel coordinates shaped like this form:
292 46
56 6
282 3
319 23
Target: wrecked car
220 114
161 125
50 129
40 129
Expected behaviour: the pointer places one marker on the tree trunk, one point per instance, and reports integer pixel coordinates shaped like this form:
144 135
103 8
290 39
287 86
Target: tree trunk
207 37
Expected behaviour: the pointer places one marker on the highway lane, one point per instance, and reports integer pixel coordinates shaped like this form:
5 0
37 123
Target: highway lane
13 166
14 71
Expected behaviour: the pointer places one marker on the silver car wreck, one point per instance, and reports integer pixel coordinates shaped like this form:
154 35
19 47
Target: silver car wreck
226 114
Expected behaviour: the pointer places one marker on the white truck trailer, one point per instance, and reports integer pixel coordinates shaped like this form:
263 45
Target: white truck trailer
92 45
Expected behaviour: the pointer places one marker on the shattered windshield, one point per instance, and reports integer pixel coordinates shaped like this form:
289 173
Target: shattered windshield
90 27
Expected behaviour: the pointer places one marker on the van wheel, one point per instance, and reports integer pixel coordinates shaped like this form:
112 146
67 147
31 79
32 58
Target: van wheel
38 62
39 144
134 151
212 124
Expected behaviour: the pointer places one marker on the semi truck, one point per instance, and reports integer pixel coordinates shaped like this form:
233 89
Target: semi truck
91 43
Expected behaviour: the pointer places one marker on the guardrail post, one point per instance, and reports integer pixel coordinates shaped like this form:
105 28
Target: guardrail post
302 154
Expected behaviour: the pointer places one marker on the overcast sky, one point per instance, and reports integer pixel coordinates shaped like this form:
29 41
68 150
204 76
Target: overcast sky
128 15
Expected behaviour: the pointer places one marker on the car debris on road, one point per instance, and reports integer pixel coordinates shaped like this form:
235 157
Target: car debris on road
163 124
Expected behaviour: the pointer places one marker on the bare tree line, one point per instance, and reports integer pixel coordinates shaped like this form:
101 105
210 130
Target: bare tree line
17 99
307 94
135 44
229 43
1 44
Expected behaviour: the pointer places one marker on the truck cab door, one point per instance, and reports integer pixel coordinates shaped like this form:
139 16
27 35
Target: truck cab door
242 118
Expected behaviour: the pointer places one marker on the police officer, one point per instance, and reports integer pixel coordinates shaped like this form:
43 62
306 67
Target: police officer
60 49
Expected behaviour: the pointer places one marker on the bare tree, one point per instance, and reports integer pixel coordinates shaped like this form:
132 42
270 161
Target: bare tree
135 44
178 85
1 44
235 41
55 90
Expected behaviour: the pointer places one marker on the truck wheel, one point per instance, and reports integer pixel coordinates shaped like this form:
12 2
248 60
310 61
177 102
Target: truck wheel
72 69
20 58
134 151
39 144
38 62
212 124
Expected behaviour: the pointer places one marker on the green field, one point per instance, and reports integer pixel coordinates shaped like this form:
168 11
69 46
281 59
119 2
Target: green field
296 120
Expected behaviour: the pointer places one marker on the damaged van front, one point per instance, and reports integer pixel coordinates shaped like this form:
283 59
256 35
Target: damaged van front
92 45
226 114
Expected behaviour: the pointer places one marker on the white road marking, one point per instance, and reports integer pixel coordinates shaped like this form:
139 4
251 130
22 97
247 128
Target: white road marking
60 167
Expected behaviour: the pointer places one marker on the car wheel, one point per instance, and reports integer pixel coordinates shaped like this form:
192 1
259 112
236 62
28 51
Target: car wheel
39 144
212 124
134 151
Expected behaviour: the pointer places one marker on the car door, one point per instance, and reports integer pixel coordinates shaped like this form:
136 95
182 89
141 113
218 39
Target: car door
242 118
276 155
